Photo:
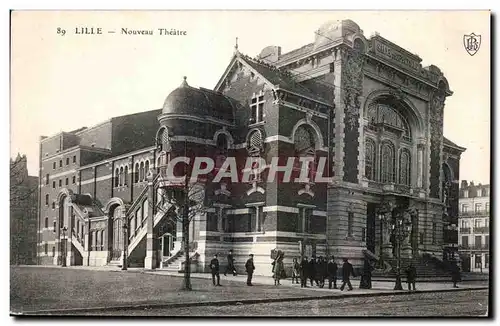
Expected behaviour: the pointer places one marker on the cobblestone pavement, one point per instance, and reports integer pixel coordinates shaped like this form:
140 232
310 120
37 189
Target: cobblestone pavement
36 288
444 304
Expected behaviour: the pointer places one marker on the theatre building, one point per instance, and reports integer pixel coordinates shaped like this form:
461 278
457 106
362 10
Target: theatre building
365 107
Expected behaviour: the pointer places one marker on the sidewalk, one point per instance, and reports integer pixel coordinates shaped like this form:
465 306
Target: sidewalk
85 289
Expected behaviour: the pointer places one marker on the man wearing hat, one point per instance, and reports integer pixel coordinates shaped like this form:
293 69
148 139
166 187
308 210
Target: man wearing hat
249 266
214 267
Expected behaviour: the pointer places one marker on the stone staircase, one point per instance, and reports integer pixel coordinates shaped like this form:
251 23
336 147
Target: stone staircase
174 264
426 266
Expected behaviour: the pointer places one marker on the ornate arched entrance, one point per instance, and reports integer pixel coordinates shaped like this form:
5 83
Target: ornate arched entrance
116 217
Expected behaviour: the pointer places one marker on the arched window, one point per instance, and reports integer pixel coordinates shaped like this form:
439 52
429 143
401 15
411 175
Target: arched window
117 177
146 170
370 159
120 182
390 118
125 176
141 172
136 173
404 167
222 144
387 156
304 142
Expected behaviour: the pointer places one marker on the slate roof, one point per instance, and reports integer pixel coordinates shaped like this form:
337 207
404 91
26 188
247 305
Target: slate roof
282 79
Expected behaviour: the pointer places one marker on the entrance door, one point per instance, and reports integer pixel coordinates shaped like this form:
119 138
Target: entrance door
167 244
117 239
370 227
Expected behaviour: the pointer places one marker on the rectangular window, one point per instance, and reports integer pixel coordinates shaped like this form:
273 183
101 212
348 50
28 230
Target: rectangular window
257 108
487 207
67 160
60 163
46 248
486 261
478 241
47 199
53 184
304 220
67 181
46 222
479 192
477 223
54 165
465 241
74 179
466 193
477 207
60 182
54 225
53 251
74 158
465 208
477 261
47 179
350 221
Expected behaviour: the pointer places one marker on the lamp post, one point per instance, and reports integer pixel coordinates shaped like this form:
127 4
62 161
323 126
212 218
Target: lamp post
125 245
63 242
401 229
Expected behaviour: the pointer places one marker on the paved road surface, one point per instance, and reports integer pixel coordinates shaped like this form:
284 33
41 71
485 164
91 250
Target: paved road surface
466 303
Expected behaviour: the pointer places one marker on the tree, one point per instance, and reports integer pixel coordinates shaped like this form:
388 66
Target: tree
188 200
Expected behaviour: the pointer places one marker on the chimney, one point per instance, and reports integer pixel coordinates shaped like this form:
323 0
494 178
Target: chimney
463 184
471 184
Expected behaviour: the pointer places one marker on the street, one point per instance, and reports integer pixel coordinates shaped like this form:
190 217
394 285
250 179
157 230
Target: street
53 290
464 303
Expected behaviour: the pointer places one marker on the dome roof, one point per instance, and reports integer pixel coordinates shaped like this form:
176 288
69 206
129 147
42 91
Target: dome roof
185 100
198 102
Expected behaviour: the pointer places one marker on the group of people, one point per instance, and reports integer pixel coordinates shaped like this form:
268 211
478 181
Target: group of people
316 270
215 268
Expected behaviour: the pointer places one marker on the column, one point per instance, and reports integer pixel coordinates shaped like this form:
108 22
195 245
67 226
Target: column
420 165
70 258
86 243
386 237
150 260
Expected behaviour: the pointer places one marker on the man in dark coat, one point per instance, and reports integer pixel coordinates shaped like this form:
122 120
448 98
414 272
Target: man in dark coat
411 276
455 275
214 267
230 264
332 273
321 271
366 277
304 271
312 271
347 271
249 266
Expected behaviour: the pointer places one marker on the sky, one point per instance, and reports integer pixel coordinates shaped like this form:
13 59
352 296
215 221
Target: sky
61 83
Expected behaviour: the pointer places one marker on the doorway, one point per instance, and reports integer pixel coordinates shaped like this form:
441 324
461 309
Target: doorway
167 244
370 226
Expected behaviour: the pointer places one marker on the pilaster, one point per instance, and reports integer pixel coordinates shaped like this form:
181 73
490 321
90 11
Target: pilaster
150 260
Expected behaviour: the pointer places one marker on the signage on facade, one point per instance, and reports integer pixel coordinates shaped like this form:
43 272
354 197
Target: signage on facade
395 55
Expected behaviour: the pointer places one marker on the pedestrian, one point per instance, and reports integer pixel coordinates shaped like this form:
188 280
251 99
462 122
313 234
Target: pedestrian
295 271
249 267
312 270
347 271
332 273
455 274
214 266
230 264
278 268
304 272
411 276
320 272
366 276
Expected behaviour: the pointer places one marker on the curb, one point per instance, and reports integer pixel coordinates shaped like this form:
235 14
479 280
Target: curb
234 302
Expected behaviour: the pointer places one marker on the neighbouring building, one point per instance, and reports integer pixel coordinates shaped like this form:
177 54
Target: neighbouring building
474 231
365 104
23 213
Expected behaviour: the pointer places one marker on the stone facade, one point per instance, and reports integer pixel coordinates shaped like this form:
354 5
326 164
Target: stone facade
365 105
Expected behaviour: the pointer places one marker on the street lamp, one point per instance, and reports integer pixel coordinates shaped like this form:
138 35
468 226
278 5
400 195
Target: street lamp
63 242
125 245
401 228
